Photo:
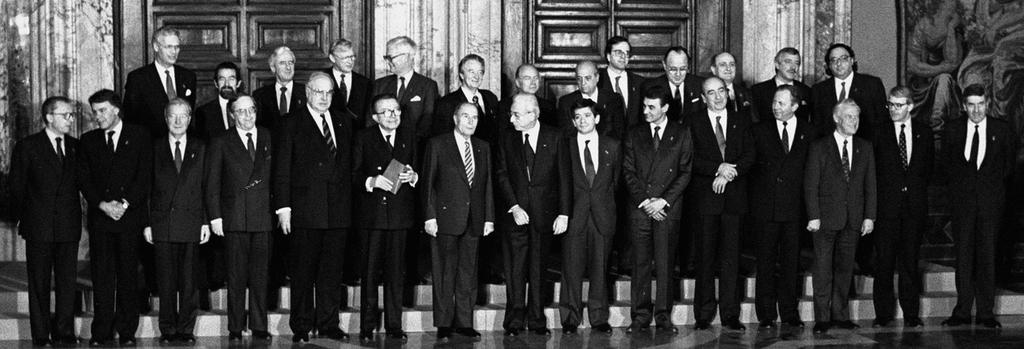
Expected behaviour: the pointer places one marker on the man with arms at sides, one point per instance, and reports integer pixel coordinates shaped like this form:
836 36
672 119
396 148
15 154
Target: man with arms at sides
685 88
115 171
275 101
596 170
845 82
723 155
177 223
787 71
312 193
238 205
385 216
351 90
213 118
840 194
776 195
534 180
149 88
723 66
979 155
416 93
616 79
456 170
471 75
657 164
46 207
608 102
528 82
905 151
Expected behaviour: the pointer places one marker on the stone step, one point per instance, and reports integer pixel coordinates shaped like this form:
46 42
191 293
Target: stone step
938 305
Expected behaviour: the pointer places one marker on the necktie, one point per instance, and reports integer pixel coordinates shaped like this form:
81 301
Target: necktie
250 146
588 163
401 87
785 138
169 85
282 105
177 155
732 99
528 154
387 139
229 122
842 93
60 150
328 138
903 146
720 135
846 162
677 96
974 149
467 159
479 109
110 141
617 88
343 88
657 137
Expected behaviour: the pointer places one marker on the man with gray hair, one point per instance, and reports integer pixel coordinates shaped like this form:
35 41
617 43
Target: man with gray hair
416 93
351 90
787 72
150 87
276 100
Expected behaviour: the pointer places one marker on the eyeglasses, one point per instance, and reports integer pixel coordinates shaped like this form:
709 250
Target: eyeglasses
620 54
319 93
246 111
346 58
677 70
841 59
391 59
390 112
69 116
896 105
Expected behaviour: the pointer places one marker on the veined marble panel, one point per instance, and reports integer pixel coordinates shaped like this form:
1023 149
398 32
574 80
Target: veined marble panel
807 25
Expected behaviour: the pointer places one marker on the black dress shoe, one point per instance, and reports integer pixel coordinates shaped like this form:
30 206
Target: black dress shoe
397 334
603 328
167 338
734 325
954 321
262 335
187 338
333 333
300 338
881 322
821 327
512 332
45 342
443 333
67 340
702 325
846 325
666 328
636 328
468 332
990 323
766 324
541 331
100 342
365 335
913 322
794 323
569 330
237 336
127 341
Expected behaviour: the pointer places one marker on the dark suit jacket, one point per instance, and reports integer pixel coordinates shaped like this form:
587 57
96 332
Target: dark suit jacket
44 190
417 102
743 104
209 121
777 179
982 188
548 113
658 174
829 197
595 200
487 125
237 188
866 90
445 192
764 92
739 150
126 174
268 113
633 111
610 104
899 190
371 156
691 95
145 96
359 101
317 186
176 209
543 188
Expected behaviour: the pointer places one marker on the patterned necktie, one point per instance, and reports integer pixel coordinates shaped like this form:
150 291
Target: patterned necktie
250 146
720 135
60 150
110 141
846 162
903 147
282 104
328 138
401 87
467 159
177 155
588 163
169 85
842 94
343 88
974 149
785 138
657 137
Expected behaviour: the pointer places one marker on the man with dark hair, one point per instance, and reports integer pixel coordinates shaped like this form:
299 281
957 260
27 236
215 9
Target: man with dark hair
212 118
840 194
471 76
723 66
115 171
979 154
610 104
685 88
904 150
351 90
657 169
845 82
615 78
787 72
528 82
150 87
275 101
48 214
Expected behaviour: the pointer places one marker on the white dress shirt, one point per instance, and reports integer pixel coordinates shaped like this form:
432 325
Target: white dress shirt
162 71
469 97
712 117
982 131
242 136
581 142
347 79
533 132
460 141
790 130
53 141
320 123
839 145
224 111
839 86
909 134
117 133
408 78
183 142
288 97
661 130
623 84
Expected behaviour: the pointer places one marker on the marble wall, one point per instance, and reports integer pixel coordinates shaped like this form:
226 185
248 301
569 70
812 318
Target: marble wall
808 25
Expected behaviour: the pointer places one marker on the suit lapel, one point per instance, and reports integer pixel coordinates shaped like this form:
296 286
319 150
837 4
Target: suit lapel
830 91
262 152
238 149
180 89
577 158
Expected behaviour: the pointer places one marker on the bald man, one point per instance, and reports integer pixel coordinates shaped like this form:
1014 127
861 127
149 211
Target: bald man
608 103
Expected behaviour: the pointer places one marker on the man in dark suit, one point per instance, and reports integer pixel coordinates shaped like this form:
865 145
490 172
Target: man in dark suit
596 170
979 154
615 78
46 208
723 66
212 118
471 75
840 194
534 184
275 101
238 202
177 222
722 156
787 71
776 195
657 163
528 82
905 151
238 205
685 88
458 208
115 171
312 194
845 82
386 215
609 103
150 87
351 90
417 94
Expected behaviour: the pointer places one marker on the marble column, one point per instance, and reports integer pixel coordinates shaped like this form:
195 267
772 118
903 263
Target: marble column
808 25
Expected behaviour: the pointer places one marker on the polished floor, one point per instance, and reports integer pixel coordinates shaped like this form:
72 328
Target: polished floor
932 335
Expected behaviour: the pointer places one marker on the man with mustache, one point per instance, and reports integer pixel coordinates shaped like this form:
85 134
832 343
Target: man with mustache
787 72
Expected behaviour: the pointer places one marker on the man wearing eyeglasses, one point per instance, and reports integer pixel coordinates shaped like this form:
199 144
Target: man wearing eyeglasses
149 88
275 101
416 93
45 204
351 90
616 79
904 151
312 189
116 172
683 87
787 72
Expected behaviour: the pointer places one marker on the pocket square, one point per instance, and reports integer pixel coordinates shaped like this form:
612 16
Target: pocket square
188 92
416 99
694 100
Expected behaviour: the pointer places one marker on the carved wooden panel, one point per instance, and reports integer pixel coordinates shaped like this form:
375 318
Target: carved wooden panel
205 90
650 38
648 5
308 35
204 38
572 4
570 40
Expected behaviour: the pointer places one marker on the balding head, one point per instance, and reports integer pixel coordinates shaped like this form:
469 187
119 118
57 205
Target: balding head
586 77
524 111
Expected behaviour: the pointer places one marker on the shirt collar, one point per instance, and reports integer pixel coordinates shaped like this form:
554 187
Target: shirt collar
241 133
789 123
723 113
662 124
532 131
117 128
592 97
459 139
316 115
848 81
780 82
53 135
289 85
384 132
407 76
840 137
612 75
183 140
582 138
160 68
469 95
